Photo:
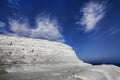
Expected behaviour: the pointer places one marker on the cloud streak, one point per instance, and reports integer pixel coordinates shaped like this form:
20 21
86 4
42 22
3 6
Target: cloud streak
92 13
14 4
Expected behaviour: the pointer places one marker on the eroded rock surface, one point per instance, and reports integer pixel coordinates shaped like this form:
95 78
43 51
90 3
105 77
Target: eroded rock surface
26 54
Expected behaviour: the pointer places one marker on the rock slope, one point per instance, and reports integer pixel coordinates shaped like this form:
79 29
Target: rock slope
52 60
29 53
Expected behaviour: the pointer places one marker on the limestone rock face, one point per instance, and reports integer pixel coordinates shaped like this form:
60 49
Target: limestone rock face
17 52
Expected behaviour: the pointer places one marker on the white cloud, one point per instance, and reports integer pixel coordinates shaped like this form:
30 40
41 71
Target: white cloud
2 24
14 4
45 28
92 13
48 29
19 28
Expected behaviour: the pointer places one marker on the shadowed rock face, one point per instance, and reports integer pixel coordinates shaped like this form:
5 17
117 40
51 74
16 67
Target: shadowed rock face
37 59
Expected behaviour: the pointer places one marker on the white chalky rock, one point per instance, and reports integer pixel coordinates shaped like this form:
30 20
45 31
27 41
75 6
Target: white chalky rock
31 54
55 59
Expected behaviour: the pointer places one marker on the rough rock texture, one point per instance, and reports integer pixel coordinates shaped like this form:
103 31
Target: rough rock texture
26 54
37 59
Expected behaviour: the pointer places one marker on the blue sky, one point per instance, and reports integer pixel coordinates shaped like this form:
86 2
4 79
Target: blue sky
91 27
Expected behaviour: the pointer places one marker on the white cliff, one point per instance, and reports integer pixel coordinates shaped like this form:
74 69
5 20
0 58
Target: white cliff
29 53
53 61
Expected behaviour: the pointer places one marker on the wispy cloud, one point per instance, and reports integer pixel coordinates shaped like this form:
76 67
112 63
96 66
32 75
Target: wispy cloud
92 13
45 28
2 24
15 7
14 4
20 28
